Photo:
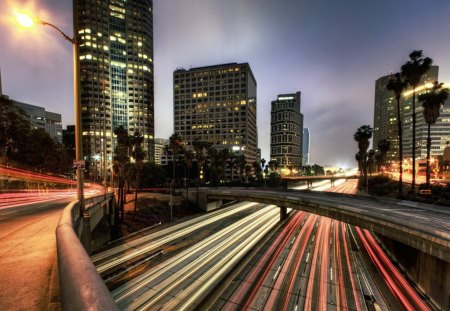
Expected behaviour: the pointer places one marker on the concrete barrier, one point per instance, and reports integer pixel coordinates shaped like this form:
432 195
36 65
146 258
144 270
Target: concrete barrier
81 286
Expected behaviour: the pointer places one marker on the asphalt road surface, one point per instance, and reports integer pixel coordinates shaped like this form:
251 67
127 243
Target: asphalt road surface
28 256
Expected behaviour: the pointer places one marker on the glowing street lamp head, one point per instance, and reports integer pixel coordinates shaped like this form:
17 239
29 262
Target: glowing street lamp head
25 20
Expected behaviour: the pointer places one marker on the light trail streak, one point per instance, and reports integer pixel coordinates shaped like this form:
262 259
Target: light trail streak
212 258
213 246
16 173
394 280
299 251
314 267
268 261
349 267
118 255
341 299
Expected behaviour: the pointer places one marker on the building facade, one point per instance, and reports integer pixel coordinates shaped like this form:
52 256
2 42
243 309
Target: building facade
286 130
116 73
160 145
385 120
42 119
217 104
305 146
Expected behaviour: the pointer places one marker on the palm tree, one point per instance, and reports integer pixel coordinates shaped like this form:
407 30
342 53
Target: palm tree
412 71
362 136
241 163
397 85
138 155
188 157
432 101
121 158
371 160
199 150
176 144
384 145
223 156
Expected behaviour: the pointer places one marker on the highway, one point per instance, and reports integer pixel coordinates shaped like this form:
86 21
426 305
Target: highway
245 259
28 255
120 256
183 280
316 263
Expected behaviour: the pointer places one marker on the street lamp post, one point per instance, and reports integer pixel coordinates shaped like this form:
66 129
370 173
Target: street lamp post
28 21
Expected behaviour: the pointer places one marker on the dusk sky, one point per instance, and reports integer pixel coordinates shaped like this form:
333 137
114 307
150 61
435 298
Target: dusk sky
331 51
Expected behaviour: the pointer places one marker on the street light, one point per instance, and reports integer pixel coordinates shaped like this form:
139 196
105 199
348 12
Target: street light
28 21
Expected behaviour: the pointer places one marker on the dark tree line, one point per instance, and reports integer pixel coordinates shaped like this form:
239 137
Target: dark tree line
29 147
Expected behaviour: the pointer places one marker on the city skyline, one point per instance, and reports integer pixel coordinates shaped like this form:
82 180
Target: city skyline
332 52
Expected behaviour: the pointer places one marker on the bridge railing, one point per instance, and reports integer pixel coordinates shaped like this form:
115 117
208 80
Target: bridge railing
81 286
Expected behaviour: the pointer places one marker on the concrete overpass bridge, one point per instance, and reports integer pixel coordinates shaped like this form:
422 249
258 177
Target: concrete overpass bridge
422 226
418 234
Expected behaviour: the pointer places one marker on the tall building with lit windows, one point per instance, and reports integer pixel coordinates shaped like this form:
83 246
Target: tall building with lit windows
115 40
286 130
217 104
385 120
305 146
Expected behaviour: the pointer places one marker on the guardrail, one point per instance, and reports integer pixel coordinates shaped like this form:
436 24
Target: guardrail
81 286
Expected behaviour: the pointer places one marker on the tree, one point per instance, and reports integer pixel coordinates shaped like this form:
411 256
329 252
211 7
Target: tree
272 165
432 100
176 145
397 85
200 148
188 157
371 160
241 162
138 154
412 71
384 145
223 156
14 127
152 175
120 160
362 137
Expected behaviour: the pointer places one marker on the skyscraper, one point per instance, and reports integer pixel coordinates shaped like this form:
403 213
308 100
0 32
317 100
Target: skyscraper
305 146
217 104
385 120
286 130
115 40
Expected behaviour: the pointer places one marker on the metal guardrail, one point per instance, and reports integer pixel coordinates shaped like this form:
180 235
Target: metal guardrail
81 286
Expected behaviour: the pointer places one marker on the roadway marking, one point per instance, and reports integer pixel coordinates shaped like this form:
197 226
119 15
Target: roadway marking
8 213
408 203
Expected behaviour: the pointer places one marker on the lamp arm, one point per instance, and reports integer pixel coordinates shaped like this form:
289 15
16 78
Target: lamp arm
68 38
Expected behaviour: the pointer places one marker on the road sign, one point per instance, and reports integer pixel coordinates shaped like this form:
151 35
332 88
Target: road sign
79 164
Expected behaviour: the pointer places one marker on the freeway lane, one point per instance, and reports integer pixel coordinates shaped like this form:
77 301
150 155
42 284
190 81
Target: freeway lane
28 254
421 226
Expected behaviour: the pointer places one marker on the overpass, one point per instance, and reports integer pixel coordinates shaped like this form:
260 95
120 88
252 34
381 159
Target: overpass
421 226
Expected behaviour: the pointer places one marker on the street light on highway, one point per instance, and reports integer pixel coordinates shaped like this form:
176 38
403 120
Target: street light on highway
29 21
